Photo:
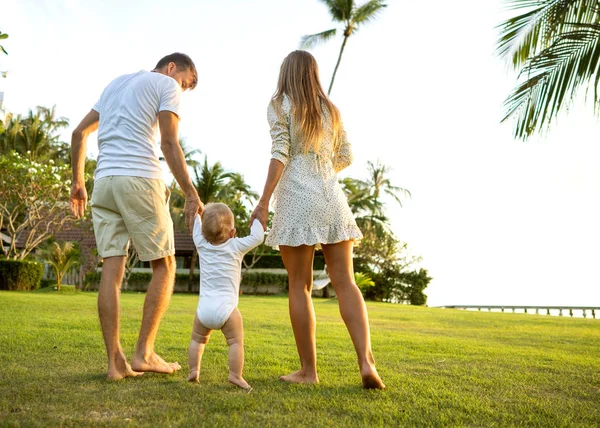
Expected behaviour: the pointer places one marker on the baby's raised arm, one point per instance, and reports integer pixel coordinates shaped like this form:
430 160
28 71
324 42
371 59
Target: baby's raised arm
257 235
197 234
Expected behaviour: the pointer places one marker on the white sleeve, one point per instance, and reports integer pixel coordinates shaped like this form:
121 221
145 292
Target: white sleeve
280 134
170 96
98 106
197 233
257 235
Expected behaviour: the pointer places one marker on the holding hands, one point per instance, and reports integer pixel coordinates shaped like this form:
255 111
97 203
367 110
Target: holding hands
193 205
260 213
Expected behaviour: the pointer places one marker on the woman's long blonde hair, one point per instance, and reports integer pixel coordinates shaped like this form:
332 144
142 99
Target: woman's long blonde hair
299 80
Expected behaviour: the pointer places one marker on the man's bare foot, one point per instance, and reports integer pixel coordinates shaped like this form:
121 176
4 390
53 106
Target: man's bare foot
239 381
370 378
120 369
153 363
299 377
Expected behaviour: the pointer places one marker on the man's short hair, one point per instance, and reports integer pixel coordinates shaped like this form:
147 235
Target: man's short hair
183 62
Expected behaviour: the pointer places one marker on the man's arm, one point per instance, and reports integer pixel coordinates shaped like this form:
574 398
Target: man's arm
169 144
79 137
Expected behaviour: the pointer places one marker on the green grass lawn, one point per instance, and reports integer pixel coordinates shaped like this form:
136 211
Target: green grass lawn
441 367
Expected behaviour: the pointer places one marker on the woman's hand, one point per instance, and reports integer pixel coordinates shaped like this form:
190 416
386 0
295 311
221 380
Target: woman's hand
261 213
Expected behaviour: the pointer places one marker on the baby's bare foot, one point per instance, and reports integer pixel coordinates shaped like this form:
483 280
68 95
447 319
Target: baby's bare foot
299 377
153 363
239 381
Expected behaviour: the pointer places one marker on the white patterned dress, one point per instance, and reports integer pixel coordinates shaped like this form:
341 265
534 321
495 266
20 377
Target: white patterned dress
310 207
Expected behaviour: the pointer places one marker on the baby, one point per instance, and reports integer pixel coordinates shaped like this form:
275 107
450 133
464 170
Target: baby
220 271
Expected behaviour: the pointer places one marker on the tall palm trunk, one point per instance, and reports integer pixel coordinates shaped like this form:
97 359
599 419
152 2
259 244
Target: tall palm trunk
338 64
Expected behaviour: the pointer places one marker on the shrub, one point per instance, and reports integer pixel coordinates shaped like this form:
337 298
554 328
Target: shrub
265 278
45 283
20 274
273 261
138 281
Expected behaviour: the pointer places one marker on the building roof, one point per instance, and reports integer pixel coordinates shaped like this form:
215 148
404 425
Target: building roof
72 231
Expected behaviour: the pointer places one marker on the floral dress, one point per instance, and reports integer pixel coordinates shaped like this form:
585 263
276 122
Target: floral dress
310 207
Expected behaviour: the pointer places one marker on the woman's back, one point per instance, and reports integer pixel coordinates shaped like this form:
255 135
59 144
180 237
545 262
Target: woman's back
309 205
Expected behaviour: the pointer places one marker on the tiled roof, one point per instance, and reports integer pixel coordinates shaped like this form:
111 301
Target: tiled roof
184 244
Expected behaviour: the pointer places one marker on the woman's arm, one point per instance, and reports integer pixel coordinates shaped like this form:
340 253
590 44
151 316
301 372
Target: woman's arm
343 155
261 212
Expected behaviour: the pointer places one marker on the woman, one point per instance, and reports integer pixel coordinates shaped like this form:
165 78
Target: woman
309 147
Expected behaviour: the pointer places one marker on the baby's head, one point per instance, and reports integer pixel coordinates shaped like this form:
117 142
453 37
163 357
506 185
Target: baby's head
217 223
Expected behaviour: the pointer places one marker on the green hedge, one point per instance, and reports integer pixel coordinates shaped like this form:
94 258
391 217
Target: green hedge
273 261
265 278
140 280
20 274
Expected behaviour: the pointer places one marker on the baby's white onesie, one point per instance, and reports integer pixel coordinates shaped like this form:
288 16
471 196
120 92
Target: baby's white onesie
220 273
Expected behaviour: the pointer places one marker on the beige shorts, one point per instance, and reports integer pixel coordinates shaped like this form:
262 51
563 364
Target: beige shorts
135 208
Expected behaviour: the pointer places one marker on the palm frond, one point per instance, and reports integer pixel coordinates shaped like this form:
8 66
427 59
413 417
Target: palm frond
311 40
368 11
340 10
552 78
526 35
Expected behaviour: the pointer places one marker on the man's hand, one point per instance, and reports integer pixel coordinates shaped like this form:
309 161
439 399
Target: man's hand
78 199
192 207
261 213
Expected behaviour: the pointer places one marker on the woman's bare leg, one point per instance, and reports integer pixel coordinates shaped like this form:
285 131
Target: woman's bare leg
233 330
298 262
200 336
352 307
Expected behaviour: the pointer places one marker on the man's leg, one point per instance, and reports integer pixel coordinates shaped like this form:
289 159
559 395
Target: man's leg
108 310
155 305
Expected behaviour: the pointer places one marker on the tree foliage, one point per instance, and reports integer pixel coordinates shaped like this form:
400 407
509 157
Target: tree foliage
555 46
33 202
381 256
36 134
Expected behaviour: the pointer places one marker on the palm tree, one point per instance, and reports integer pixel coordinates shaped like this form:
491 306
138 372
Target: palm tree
61 258
177 196
365 197
555 46
36 133
214 183
351 17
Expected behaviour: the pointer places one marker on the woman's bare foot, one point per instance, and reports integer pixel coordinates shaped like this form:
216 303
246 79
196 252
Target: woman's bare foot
239 381
300 377
120 369
153 363
370 378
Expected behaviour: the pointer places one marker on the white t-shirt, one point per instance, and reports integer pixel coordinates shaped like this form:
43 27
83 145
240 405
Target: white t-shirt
221 265
127 132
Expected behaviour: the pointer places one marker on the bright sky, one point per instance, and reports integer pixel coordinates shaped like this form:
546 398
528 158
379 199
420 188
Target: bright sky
496 221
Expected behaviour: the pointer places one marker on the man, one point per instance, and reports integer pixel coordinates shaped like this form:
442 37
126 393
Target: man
130 198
